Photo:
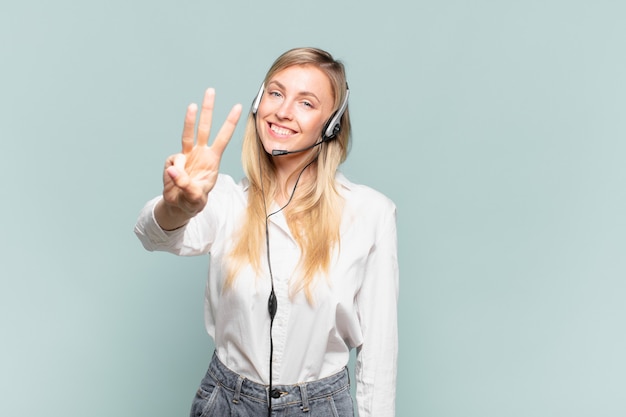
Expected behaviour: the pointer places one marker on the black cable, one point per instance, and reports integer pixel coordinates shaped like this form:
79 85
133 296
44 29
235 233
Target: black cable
272 302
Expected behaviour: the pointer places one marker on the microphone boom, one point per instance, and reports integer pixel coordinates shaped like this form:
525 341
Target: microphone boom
279 152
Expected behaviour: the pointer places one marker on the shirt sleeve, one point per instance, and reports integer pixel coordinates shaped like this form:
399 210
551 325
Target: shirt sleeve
377 301
226 200
194 238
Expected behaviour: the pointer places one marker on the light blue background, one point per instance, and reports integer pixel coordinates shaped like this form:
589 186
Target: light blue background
496 126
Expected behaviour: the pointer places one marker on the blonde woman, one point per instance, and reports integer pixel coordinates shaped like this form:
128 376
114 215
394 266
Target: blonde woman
303 264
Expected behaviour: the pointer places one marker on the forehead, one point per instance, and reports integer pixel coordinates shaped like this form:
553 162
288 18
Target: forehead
303 78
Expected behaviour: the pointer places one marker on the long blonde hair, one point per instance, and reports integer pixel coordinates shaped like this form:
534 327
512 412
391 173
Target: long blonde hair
314 214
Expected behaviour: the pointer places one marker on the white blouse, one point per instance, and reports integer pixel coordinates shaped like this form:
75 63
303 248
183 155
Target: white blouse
355 307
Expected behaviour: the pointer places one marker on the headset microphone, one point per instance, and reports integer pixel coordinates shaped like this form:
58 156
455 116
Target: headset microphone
278 152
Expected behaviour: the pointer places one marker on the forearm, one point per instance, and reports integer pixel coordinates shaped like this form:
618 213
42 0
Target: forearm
193 238
170 217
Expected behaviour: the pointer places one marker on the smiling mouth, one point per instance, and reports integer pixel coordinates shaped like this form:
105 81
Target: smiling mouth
281 131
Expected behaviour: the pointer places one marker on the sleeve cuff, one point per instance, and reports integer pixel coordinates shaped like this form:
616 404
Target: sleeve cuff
151 235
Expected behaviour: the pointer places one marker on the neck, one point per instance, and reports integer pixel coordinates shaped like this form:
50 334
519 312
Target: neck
290 178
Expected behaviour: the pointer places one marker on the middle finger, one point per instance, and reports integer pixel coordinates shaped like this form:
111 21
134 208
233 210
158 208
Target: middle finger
206 116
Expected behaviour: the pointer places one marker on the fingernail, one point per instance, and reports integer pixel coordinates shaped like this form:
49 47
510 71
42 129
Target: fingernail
172 172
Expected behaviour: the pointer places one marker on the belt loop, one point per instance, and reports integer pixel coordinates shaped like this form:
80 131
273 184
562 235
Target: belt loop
305 398
240 380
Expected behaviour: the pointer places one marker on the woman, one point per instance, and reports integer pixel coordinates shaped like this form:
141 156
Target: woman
303 263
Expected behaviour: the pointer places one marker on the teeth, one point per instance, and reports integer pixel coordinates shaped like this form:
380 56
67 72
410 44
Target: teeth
280 130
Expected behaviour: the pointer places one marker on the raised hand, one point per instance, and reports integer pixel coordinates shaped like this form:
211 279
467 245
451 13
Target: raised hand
189 176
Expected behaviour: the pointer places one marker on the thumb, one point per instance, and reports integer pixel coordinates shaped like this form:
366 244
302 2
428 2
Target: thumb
177 172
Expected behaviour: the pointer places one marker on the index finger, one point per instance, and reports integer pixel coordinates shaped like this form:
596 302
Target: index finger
227 130
188 127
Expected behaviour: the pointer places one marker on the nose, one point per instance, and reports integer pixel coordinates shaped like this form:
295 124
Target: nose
285 110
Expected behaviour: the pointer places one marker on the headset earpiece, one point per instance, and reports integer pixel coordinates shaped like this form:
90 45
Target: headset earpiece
333 126
257 99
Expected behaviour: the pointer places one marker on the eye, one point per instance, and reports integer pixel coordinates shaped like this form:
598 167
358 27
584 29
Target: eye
275 94
307 104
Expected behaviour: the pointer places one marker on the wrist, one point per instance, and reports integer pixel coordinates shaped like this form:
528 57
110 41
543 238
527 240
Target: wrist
170 217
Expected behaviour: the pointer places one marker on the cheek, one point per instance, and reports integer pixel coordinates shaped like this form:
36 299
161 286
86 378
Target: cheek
267 107
258 122
315 125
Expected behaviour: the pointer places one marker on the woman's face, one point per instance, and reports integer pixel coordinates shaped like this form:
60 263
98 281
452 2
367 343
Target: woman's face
296 104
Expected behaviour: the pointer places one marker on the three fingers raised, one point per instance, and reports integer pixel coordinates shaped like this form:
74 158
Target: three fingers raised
204 125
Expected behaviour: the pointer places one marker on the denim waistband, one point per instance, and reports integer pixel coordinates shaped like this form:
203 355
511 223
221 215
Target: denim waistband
300 393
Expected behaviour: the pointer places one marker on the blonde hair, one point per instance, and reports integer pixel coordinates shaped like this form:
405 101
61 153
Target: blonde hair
314 214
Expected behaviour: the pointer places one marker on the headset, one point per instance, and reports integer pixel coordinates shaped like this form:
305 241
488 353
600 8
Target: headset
332 127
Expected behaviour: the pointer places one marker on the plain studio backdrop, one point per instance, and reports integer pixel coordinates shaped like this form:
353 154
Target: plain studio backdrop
497 127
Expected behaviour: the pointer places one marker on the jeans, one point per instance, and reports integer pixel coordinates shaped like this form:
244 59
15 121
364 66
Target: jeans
224 393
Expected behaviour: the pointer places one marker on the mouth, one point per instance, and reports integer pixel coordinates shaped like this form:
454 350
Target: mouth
280 130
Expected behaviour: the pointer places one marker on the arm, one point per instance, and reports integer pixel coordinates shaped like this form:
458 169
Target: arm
194 238
377 302
188 177
198 235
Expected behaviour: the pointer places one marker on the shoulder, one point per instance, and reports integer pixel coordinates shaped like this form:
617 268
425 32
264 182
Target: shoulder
368 215
226 182
226 185
363 197
227 194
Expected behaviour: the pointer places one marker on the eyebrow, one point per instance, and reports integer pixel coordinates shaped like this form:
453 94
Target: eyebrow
300 93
